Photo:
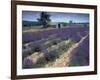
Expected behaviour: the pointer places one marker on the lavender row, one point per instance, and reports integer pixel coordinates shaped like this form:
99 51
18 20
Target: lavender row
64 33
80 56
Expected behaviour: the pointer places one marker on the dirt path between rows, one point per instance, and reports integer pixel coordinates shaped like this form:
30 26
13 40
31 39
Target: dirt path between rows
63 60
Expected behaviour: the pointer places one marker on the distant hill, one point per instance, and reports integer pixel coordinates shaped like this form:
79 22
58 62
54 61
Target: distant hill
30 23
37 24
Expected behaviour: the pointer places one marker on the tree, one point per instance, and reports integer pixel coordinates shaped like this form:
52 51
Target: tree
70 22
44 19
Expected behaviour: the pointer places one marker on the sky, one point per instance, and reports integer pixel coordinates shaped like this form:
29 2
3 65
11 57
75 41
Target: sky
56 16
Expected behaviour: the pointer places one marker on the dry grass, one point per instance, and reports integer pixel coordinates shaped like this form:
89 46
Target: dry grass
60 62
35 56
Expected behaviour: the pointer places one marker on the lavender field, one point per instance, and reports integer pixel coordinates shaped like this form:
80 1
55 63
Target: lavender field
43 48
54 39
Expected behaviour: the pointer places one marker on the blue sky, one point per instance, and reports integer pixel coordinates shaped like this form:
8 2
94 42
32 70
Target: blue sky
56 16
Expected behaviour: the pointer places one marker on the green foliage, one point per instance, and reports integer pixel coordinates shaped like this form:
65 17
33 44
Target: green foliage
70 22
44 19
36 49
54 54
63 47
51 56
26 54
54 43
41 61
86 25
65 24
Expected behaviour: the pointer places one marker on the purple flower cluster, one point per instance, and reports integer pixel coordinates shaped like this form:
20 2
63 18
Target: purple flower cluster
27 63
80 56
41 40
64 33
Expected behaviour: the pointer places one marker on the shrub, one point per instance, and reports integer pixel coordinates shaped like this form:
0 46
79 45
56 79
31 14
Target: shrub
52 55
41 62
64 47
36 49
60 51
26 53
54 43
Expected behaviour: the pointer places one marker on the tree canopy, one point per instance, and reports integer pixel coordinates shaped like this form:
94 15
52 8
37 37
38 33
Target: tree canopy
44 19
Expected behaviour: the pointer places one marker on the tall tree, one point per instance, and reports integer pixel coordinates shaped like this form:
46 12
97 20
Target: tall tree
44 19
70 22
